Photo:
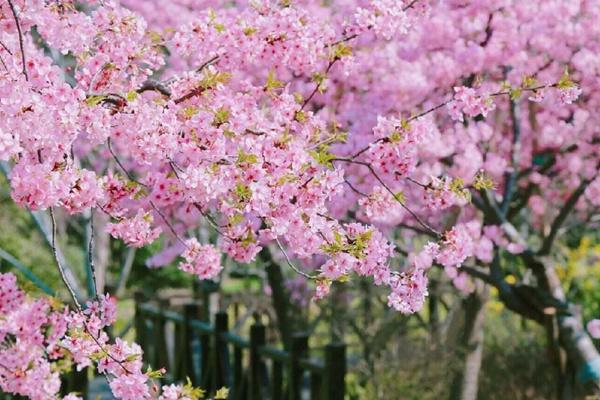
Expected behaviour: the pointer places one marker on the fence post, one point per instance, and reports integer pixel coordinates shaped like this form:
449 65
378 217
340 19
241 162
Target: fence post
220 354
140 324
257 339
161 356
298 351
238 379
190 312
335 371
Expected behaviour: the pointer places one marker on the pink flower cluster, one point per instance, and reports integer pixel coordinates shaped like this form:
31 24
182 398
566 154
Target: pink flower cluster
456 247
466 101
409 288
395 153
569 95
136 231
38 335
9 146
204 261
381 208
386 18
439 195
270 120
29 350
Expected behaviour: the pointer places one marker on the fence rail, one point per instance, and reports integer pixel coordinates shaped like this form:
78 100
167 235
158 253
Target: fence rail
213 357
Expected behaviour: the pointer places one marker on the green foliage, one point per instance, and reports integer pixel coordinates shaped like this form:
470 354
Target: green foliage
323 157
579 272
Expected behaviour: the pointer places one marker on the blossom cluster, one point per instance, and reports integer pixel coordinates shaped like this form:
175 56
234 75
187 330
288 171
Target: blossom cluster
40 338
201 260
295 125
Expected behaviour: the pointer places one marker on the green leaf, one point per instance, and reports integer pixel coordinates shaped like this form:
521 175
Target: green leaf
300 116
246 158
150 373
131 96
222 394
400 197
249 31
212 79
323 157
483 182
272 82
27 273
565 81
341 50
94 100
243 193
457 187
529 82
190 111
192 392
515 93
221 116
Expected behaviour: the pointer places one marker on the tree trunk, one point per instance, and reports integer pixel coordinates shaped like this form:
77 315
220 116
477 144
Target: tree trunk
573 337
549 300
470 347
101 250
280 298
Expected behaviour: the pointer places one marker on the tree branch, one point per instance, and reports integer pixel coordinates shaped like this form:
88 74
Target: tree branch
291 265
91 253
21 46
511 178
61 270
562 216
394 195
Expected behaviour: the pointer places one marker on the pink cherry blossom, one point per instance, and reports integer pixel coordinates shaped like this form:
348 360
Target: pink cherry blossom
136 231
203 261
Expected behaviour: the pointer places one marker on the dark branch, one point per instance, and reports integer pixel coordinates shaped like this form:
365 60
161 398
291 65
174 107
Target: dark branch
511 178
21 47
156 86
562 216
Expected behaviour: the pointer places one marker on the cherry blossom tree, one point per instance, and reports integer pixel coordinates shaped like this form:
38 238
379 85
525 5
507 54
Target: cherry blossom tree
376 138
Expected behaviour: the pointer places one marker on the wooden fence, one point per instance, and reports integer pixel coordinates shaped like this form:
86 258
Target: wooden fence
213 357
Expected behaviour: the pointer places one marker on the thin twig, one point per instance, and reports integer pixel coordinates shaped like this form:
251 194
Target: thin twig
291 265
5 48
394 195
416 182
59 263
354 189
21 46
125 171
72 293
318 85
562 216
212 222
442 104
355 35
166 221
159 212
207 63
4 64
199 69
91 253
410 5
